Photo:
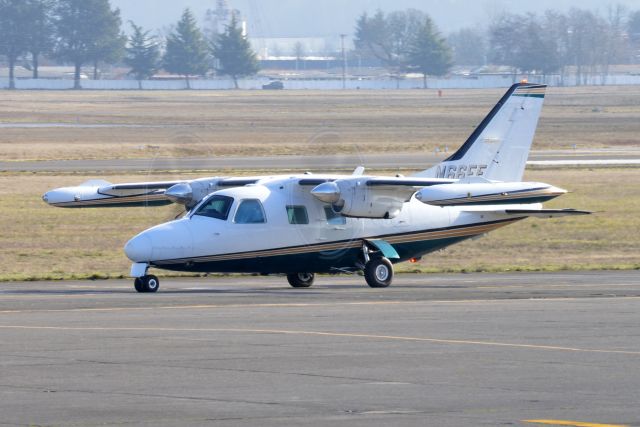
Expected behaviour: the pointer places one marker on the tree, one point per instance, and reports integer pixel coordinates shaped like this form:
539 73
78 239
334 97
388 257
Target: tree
299 53
428 52
88 31
14 18
526 43
234 52
215 19
41 31
110 47
143 54
585 41
468 46
388 37
633 29
555 26
186 53
504 40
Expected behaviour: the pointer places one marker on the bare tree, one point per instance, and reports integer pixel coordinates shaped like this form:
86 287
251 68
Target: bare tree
469 46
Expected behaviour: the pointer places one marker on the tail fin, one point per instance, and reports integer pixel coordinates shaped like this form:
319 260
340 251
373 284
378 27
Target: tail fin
499 147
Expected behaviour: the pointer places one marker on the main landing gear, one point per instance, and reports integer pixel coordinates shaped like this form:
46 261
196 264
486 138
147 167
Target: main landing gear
378 272
149 283
301 280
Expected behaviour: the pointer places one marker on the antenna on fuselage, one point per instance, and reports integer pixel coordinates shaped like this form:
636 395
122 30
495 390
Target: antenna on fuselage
358 171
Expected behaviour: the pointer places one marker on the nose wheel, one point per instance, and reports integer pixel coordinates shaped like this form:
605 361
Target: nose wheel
149 283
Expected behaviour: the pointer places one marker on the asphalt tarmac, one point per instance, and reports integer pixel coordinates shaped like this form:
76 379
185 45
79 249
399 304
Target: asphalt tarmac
391 161
432 350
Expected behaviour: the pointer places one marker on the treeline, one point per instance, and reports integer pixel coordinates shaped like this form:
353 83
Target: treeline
584 42
549 43
89 32
403 41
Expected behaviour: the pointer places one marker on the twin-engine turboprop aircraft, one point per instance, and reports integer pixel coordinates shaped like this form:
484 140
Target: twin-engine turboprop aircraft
300 225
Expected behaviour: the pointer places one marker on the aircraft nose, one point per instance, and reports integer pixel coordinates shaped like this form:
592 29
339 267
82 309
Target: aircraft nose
139 248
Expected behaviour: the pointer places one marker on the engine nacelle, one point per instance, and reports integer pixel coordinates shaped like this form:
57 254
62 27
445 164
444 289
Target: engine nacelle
352 197
488 193
190 194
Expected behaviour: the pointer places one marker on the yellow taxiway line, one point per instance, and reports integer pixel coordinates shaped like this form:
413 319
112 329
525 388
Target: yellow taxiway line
571 423
325 334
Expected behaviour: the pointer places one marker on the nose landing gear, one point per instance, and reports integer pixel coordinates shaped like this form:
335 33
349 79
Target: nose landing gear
149 283
144 282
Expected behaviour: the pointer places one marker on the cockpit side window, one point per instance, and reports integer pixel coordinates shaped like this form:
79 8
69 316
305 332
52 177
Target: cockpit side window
297 215
334 218
216 207
250 211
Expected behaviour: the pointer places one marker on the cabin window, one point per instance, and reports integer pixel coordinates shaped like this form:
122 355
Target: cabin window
334 218
216 207
297 215
250 212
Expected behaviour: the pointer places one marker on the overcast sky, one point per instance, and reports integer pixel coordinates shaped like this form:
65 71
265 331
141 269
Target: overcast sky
309 18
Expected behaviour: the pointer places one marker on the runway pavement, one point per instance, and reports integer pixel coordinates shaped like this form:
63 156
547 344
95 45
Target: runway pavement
555 158
434 350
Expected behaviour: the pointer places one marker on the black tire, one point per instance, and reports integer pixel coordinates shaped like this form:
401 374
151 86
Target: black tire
378 273
301 280
139 284
151 283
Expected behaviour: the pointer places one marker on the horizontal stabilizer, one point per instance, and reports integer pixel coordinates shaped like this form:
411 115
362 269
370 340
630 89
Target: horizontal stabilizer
546 213
536 213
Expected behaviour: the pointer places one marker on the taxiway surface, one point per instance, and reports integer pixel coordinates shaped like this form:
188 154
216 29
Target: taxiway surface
441 350
592 157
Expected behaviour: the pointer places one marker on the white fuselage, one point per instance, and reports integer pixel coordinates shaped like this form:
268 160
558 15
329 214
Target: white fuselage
196 239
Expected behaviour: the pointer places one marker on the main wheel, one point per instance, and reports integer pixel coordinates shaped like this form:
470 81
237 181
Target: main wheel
151 283
301 280
378 273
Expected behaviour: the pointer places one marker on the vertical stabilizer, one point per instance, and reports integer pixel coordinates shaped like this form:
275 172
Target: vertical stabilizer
499 147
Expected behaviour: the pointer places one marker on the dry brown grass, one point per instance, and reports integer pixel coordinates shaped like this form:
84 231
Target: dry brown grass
608 239
39 241
218 123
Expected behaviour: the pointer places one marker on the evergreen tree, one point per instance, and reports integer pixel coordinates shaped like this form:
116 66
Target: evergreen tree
234 52
143 54
187 52
14 19
88 31
429 53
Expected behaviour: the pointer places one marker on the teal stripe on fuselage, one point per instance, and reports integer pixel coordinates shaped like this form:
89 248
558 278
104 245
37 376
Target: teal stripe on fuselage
530 95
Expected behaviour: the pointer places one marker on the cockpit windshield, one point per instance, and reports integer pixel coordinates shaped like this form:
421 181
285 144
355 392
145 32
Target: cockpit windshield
216 207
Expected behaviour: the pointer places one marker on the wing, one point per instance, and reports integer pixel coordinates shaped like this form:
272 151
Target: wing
368 197
98 193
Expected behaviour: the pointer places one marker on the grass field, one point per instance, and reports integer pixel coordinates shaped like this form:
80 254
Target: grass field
220 123
41 242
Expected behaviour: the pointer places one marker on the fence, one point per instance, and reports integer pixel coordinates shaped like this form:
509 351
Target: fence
487 81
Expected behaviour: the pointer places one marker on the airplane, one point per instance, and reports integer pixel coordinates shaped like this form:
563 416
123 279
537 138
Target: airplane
300 225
